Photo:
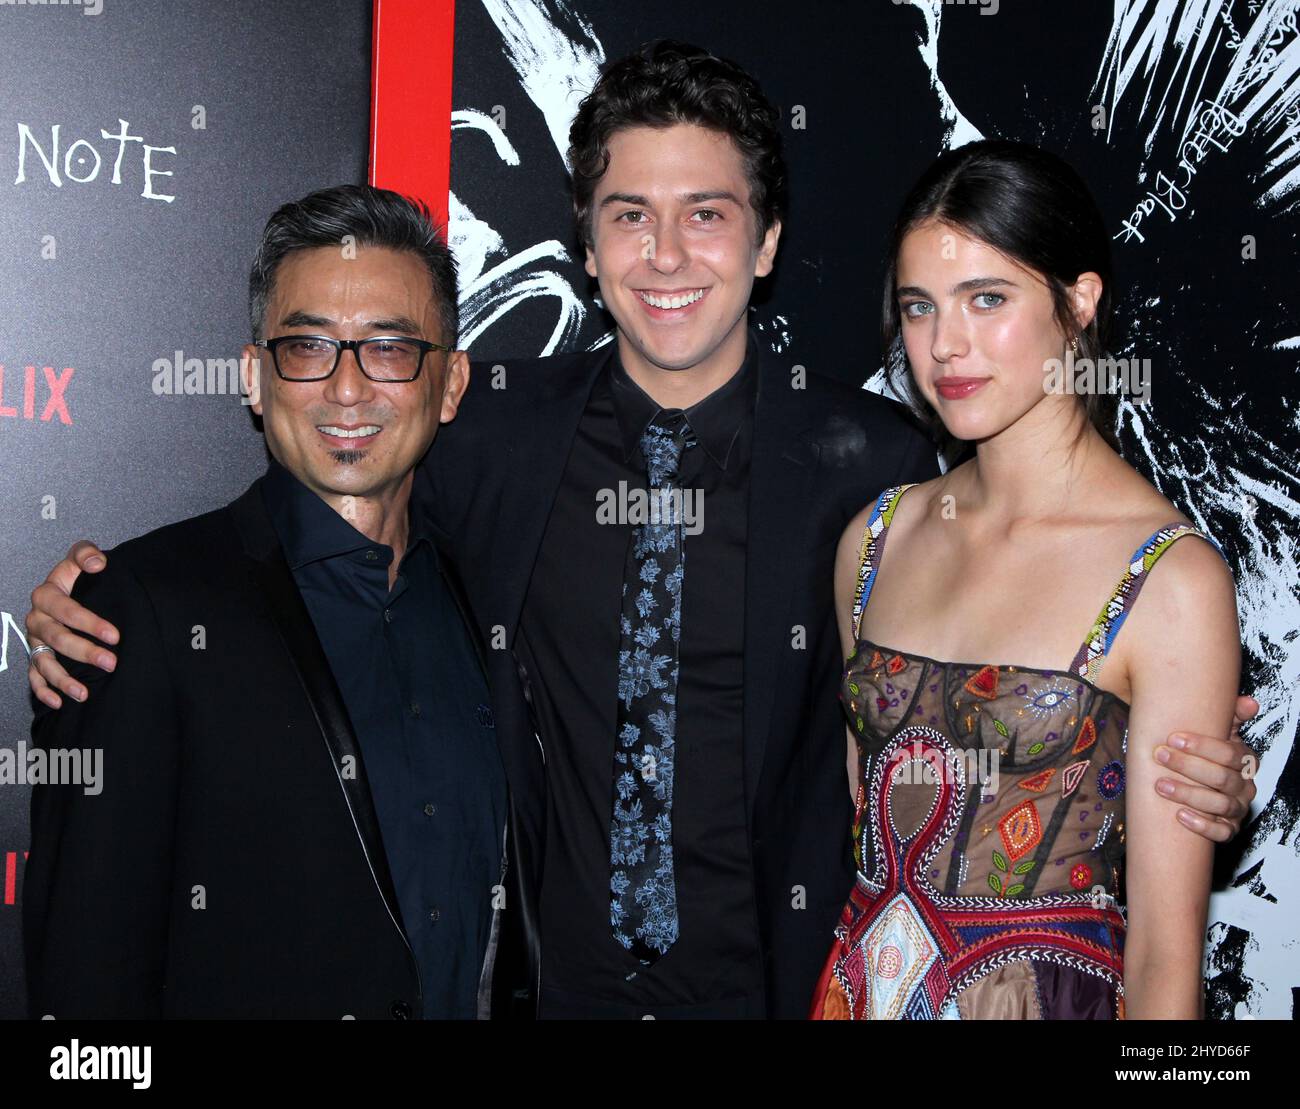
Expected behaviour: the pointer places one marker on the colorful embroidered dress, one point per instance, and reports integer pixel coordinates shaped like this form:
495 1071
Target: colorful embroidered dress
989 827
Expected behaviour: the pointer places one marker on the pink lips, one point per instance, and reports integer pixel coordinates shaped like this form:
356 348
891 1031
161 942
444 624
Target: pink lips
956 388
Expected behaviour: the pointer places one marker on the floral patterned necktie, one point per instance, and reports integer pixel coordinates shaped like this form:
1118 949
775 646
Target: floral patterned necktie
643 893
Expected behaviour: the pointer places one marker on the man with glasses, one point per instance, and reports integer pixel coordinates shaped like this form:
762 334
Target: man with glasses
303 810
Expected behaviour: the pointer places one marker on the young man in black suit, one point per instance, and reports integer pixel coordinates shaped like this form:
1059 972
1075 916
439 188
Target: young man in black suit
678 754
303 808
665 693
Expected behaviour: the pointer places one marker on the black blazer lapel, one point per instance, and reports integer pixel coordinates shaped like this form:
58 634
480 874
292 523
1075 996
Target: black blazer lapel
784 462
273 579
550 428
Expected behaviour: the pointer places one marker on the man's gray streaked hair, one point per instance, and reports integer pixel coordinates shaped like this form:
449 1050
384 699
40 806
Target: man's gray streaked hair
372 217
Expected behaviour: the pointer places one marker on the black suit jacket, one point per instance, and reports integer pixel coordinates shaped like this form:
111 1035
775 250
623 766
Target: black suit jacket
232 865
821 452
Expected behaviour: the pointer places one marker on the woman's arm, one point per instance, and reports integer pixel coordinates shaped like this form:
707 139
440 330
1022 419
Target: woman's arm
847 559
1184 647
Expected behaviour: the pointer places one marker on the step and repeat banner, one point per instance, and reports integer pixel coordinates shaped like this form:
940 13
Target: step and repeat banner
144 142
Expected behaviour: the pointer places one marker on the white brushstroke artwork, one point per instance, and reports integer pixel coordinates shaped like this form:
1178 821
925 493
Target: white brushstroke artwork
957 129
1165 66
556 54
556 57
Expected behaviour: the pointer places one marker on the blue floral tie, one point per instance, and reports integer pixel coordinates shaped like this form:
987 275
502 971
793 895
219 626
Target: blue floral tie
643 893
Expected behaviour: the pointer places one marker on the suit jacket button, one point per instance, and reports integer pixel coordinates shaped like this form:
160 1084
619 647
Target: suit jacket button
401 1010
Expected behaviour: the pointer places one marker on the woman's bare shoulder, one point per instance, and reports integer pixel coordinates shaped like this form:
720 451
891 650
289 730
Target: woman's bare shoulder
1191 585
912 506
1133 508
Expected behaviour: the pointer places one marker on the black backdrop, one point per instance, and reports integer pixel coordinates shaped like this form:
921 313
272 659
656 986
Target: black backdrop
871 91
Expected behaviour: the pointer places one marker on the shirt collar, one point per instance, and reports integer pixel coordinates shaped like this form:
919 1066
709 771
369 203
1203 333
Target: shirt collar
716 420
310 530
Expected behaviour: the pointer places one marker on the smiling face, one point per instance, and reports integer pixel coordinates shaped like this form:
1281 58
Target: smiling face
348 436
674 250
979 331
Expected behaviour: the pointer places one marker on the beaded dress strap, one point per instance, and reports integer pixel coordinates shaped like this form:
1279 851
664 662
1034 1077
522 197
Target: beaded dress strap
1092 653
873 546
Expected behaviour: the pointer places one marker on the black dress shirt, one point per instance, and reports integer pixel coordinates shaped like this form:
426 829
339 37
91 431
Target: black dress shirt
568 642
418 702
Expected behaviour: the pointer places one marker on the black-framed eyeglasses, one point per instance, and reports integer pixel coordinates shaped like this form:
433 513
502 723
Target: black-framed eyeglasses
315 357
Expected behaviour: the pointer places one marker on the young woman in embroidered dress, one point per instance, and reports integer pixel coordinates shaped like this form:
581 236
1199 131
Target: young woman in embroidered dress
1000 729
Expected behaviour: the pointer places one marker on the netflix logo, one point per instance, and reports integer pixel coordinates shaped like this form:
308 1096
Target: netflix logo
50 390
11 877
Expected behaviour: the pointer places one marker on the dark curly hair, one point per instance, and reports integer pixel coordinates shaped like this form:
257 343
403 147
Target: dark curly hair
667 82
1031 206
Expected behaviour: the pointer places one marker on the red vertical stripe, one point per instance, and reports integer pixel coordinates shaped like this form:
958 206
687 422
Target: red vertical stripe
11 877
410 99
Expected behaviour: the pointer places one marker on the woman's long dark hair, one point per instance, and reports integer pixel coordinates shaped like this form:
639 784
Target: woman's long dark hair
1034 208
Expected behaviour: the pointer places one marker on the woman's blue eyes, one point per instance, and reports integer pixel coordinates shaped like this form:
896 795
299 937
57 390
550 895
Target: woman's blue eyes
923 307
